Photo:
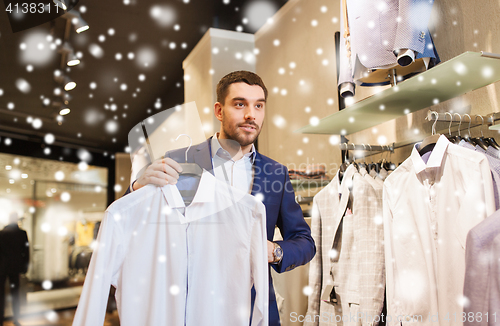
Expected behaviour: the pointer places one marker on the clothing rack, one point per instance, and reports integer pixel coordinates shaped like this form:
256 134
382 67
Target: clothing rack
345 147
476 120
368 148
433 116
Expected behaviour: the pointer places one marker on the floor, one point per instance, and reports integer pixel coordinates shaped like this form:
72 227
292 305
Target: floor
59 318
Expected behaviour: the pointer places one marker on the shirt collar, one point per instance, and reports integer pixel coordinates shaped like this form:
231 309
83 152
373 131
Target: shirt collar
204 193
492 151
435 159
347 178
221 152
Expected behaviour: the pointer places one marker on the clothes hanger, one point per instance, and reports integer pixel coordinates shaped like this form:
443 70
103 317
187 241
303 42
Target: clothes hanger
392 166
380 163
481 142
372 166
194 171
388 166
363 165
492 141
488 141
343 167
189 168
468 137
456 139
354 159
450 137
428 144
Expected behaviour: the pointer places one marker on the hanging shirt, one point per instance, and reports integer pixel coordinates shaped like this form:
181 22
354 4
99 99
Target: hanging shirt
494 167
347 275
428 210
482 274
177 265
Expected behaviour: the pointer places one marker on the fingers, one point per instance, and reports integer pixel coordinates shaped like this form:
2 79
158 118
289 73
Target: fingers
157 178
161 172
170 171
172 164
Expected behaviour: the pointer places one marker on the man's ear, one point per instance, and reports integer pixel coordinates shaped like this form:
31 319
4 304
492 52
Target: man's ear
218 111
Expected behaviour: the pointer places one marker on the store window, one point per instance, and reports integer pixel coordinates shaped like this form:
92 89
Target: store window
60 206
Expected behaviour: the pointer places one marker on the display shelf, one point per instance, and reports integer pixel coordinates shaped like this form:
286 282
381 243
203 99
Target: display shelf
455 77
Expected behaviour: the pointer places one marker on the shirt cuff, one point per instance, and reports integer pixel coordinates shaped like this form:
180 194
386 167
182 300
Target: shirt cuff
346 89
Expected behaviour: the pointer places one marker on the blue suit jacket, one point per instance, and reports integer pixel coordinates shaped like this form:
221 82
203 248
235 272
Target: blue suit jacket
272 181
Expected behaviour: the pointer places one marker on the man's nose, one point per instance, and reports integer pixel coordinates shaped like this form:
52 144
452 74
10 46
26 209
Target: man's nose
249 114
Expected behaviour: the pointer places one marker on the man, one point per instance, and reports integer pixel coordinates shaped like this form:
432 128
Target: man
231 156
14 259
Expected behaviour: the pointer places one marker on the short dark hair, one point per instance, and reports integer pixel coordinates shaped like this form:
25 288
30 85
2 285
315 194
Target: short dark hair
241 76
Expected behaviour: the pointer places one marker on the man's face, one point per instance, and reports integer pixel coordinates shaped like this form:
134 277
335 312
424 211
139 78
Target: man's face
242 114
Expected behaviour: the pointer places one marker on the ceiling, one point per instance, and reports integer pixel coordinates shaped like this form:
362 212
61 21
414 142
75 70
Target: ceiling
131 66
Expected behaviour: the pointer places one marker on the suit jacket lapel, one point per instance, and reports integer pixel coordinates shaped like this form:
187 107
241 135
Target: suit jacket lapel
344 198
203 155
329 213
257 180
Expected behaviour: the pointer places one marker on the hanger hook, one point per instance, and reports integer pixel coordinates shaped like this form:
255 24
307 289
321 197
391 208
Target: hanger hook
482 123
433 130
459 124
451 121
371 150
187 150
470 120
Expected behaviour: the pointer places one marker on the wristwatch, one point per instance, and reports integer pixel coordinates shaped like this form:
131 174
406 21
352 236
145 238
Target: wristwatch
277 253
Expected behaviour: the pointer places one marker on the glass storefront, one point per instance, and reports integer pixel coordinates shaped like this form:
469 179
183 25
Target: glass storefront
60 206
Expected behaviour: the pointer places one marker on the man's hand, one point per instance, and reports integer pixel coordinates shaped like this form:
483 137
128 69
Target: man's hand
270 251
161 172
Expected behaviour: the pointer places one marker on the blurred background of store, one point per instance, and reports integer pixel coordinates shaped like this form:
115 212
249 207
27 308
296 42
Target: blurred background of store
60 206
60 187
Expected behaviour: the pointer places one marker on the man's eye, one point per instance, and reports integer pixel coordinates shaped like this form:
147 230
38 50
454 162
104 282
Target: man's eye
240 104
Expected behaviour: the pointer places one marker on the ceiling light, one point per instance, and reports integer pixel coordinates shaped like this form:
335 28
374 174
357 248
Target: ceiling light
66 81
73 62
60 4
64 111
69 56
77 20
69 85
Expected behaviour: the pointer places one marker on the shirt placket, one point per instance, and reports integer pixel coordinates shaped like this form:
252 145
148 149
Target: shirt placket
431 192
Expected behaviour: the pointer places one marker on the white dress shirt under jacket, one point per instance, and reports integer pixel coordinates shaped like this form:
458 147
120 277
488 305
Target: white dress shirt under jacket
177 265
238 173
428 210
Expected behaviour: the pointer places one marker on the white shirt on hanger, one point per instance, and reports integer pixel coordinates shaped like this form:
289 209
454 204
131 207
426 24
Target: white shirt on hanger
177 265
428 210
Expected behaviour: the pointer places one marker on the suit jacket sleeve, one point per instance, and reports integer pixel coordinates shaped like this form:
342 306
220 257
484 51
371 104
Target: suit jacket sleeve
298 244
412 31
345 67
25 253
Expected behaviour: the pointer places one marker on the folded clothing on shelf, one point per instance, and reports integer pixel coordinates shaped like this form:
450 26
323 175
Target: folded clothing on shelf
312 171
